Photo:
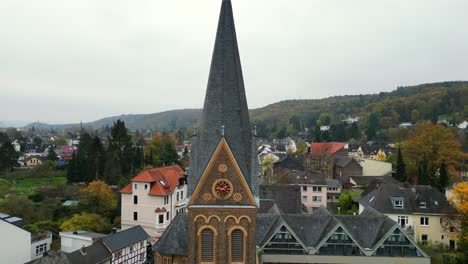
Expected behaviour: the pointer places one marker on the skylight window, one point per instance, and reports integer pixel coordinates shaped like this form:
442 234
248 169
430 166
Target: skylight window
162 183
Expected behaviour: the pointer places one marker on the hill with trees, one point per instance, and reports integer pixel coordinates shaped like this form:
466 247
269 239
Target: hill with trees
376 111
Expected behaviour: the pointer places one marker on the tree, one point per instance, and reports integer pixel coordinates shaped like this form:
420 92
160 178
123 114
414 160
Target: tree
52 155
301 148
372 126
400 167
317 134
346 203
97 197
88 222
163 151
429 144
8 155
121 148
354 131
423 175
19 206
443 177
459 200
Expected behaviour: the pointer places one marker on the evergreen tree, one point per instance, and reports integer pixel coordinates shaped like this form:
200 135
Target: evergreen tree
73 169
318 134
423 175
8 155
372 126
121 153
354 131
400 167
52 155
443 178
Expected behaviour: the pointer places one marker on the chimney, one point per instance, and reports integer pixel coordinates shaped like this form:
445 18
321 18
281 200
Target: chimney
83 250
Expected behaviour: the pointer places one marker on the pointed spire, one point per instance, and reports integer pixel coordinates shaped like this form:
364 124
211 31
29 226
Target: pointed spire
225 106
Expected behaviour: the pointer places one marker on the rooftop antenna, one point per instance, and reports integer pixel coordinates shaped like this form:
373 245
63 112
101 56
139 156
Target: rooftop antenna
222 130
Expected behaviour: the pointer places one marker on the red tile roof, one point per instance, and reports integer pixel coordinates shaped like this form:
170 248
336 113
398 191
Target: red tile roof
160 210
163 180
325 148
127 189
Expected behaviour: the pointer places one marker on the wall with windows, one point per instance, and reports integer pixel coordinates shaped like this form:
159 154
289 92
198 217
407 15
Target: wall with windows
153 213
39 247
313 196
433 228
135 253
429 228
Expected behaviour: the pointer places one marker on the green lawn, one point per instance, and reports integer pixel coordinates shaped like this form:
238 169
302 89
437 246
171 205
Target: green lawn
27 185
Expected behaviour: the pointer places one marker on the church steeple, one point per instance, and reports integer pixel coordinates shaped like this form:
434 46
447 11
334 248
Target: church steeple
225 112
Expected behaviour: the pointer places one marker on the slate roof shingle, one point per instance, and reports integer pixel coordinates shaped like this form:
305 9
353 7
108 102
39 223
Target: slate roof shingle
125 238
381 197
96 253
225 105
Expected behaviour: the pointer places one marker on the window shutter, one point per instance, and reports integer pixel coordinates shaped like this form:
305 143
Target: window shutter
237 246
207 241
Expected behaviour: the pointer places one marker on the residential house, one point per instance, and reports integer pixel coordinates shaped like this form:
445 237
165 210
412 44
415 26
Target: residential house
15 243
153 199
351 119
18 245
286 198
405 125
420 209
372 167
322 153
463 125
71 241
333 191
345 167
33 160
66 152
127 246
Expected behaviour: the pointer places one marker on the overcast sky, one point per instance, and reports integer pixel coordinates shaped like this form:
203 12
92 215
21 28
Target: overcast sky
63 61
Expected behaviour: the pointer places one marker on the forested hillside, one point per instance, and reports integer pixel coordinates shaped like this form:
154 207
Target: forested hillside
378 111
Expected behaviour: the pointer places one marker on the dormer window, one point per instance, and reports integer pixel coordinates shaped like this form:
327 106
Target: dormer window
398 203
422 204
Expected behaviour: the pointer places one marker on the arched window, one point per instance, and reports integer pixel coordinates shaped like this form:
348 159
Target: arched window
207 245
237 246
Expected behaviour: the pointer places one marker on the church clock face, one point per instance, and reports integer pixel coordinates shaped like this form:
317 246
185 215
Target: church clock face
222 189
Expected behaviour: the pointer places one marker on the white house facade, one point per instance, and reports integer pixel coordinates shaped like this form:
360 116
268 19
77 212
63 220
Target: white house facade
153 199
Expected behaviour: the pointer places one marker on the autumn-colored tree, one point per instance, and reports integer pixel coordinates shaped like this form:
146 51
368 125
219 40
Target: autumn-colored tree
97 197
301 148
162 147
459 200
429 144
88 222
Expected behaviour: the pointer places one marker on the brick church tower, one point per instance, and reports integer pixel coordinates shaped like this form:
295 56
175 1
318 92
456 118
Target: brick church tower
224 167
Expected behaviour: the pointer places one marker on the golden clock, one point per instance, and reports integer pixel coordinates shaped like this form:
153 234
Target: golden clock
222 189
